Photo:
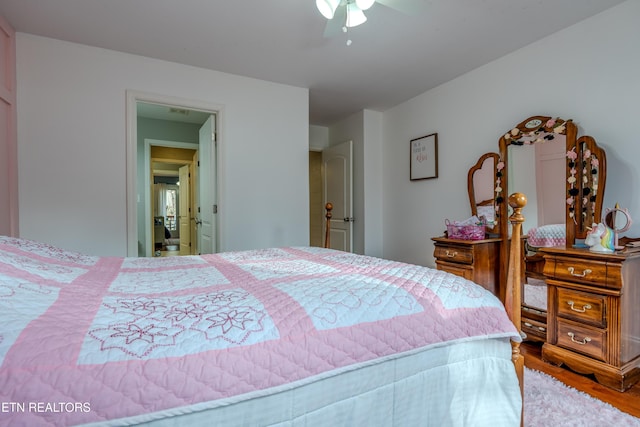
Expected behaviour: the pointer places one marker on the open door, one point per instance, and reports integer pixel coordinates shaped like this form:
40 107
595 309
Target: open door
338 190
184 214
207 185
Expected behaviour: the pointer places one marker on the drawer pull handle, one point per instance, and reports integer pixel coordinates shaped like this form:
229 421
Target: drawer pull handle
584 341
451 254
528 325
579 310
583 274
542 329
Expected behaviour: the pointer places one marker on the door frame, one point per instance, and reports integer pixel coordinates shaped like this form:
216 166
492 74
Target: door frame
132 197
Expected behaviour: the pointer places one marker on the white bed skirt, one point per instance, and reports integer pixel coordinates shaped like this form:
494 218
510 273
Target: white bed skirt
465 384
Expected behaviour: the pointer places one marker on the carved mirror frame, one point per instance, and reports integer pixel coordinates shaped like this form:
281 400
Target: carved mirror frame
488 163
585 175
533 130
590 169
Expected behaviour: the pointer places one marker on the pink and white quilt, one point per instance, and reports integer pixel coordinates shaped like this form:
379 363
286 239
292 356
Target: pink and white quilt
86 339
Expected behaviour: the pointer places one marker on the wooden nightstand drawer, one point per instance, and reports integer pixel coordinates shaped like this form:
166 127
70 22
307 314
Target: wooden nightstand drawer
463 255
583 339
582 306
461 270
475 260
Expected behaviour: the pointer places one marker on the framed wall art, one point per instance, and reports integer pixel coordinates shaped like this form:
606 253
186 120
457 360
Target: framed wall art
424 157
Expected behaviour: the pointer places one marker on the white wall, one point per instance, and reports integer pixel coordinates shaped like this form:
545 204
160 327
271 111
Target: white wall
365 130
318 138
587 72
372 181
71 146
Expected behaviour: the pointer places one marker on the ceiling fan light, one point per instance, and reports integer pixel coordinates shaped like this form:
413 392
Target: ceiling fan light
327 7
365 4
355 16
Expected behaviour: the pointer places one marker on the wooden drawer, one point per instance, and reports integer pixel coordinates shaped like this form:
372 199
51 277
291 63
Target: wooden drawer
582 306
583 339
534 329
458 254
580 270
457 269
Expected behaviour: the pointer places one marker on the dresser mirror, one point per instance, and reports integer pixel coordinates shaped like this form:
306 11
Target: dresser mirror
534 154
584 201
537 169
480 185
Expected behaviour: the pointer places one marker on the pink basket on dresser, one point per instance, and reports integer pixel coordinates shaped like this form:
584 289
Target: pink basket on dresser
465 232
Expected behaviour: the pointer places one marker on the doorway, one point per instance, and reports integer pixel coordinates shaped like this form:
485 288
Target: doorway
154 120
171 198
331 180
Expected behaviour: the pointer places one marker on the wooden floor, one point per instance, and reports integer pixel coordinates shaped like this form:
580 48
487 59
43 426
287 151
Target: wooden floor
629 401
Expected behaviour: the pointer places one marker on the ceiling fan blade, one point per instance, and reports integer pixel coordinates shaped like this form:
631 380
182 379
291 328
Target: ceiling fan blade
335 24
410 7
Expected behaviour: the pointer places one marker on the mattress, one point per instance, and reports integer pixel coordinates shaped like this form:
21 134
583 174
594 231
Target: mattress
279 336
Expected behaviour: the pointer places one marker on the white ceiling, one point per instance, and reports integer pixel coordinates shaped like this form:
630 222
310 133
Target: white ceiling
394 56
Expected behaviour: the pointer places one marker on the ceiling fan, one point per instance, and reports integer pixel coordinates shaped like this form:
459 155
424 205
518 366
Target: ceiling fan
346 14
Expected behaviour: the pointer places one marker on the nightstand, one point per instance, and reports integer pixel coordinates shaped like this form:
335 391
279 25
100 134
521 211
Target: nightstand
476 260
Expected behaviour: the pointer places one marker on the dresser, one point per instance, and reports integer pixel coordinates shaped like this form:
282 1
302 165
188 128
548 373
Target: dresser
593 320
476 260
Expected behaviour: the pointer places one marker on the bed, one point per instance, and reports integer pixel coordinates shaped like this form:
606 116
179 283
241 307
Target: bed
280 336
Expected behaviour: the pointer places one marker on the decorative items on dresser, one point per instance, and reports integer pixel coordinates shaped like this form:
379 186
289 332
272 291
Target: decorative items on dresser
593 316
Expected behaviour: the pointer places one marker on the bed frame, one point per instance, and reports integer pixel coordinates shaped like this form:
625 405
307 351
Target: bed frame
513 290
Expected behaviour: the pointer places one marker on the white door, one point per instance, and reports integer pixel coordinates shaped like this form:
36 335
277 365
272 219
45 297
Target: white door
184 216
338 189
207 185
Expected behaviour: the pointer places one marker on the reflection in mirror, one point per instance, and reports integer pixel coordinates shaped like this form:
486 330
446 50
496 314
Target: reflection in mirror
480 185
538 170
619 221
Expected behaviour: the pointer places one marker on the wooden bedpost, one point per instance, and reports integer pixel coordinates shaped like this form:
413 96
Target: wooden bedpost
329 208
513 293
